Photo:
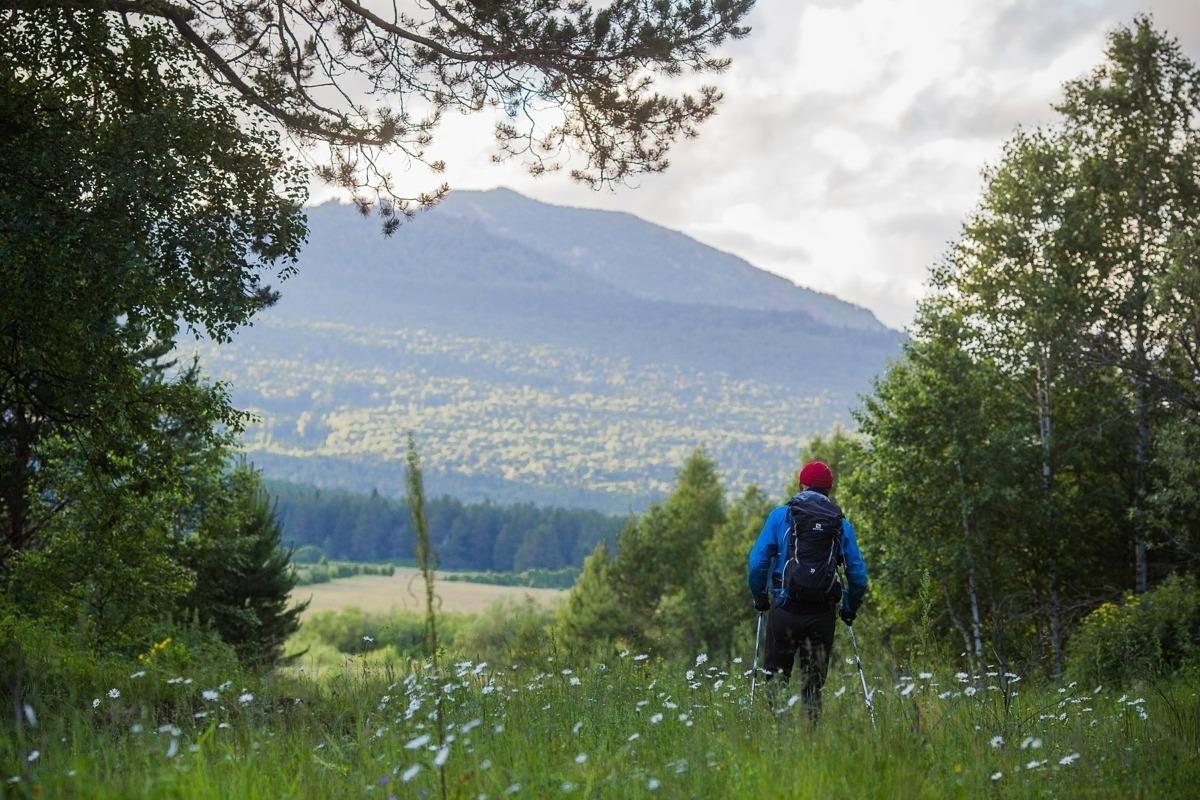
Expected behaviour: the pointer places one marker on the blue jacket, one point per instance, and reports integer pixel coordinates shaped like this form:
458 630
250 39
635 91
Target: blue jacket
772 544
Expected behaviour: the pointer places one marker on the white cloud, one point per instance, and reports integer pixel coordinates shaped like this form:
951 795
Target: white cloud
850 144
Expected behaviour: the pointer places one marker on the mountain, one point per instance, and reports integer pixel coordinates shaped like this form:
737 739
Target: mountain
646 260
558 355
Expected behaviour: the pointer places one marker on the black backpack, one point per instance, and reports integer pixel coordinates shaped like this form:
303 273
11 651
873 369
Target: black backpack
814 549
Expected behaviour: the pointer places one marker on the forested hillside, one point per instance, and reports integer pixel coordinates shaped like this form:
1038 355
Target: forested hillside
467 536
534 364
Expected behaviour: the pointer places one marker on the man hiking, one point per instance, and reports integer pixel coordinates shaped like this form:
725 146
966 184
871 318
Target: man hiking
801 546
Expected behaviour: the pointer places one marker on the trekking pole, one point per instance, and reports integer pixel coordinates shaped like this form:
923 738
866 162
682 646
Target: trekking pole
754 669
862 675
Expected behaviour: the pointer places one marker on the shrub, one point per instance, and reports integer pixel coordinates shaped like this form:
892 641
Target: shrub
507 632
353 631
1153 634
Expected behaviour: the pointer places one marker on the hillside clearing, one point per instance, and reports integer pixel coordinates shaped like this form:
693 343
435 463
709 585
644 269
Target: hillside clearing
403 591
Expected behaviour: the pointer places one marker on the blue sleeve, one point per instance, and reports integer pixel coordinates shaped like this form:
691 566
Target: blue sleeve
764 550
856 569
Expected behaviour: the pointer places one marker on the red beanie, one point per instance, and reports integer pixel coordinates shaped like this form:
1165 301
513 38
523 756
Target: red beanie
817 474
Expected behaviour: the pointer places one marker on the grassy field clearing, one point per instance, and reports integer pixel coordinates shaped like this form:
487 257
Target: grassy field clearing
631 727
403 591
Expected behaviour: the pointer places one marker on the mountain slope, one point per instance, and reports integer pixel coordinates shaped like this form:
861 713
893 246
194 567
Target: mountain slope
647 260
526 376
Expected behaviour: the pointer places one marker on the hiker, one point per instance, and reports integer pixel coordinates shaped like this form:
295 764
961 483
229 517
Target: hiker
801 546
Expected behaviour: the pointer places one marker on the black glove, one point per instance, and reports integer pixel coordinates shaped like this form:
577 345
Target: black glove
762 603
847 615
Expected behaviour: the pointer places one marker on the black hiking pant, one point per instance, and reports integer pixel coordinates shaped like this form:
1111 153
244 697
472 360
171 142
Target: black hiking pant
802 634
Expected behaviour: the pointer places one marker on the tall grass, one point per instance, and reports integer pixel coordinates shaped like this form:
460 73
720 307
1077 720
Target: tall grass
416 505
620 726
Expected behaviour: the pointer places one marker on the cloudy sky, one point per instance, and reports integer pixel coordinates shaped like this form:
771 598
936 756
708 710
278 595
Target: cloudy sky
849 146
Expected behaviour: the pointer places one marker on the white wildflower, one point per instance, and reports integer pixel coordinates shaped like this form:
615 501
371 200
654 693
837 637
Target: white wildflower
172 748
969 691
1031 743
653 784
30 716
640 657
657 718
581 758
245 698
575 680
1067 761
136 728
840 692
997 776
516 787
702 658
141 673
34 756
737 660
224 686
908 690
95 702
200 714
442 755
633 736
368 639
576 728
691 675
997 741
209 694
925 676
420 741
1034 764
410 773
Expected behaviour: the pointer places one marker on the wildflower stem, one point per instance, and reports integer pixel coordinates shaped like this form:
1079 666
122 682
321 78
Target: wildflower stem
416 507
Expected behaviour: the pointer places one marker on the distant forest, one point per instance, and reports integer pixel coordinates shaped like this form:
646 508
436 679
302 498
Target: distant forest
474 536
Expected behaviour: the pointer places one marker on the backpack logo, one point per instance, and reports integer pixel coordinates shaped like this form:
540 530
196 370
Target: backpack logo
818 527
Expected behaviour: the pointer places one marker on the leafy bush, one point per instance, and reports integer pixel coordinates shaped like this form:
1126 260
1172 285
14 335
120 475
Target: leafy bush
507 632
354 631
1149 635
324 571
535 578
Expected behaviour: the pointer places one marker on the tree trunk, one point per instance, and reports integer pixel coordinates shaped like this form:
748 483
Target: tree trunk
1048 523
1141 457
962 630
968 550
976 625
